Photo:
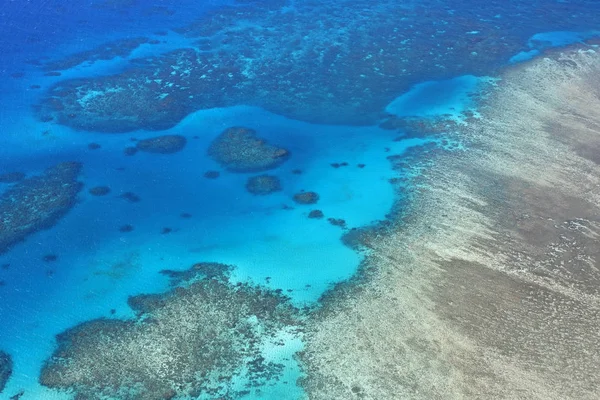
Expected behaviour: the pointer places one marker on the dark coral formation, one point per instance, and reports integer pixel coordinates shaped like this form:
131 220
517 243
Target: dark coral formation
6 367
205 270
37 203
126 228
360 239
306 197
338 165
131 197
165 144
316 214
337 222
212 174
263 185
11 177
106 51
50 258
324 62
130 150
238 149
99 191
188 342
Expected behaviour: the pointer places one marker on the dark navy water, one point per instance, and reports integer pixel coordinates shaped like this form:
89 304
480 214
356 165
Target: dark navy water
87 83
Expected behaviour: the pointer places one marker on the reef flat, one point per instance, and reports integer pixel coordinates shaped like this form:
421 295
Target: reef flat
286 57
488 286
37 203
196 339
6 366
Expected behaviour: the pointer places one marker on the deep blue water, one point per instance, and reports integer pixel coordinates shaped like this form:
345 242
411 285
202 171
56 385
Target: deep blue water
311 91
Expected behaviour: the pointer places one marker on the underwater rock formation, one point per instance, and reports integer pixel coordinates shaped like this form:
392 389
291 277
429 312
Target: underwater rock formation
190 341
306 197
37 203
166 144
263 185
238 149
6 367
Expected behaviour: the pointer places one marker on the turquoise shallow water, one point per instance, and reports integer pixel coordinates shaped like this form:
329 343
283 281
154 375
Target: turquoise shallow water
269 239
99 267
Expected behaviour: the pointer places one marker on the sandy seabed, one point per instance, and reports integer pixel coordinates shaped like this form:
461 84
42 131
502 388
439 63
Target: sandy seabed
488 287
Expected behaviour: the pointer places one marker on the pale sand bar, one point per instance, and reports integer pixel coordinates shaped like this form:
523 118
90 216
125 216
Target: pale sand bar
488 288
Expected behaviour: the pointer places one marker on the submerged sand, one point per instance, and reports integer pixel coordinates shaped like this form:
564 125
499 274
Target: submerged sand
489 287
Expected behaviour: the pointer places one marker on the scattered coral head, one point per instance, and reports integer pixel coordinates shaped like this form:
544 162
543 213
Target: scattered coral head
263 184
238 149
165 144
306 197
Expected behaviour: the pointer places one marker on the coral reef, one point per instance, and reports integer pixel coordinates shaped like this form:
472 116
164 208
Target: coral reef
99 191
130 150
263 184
343 68
50 258
238 149
306 197
37 203
337 222
126 228
17 396
6 367
191 341
212 174
131 197
316 214
165 144
338 165
485 285
205 270
106 51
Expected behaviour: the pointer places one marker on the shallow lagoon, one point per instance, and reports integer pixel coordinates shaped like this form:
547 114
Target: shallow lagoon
269 239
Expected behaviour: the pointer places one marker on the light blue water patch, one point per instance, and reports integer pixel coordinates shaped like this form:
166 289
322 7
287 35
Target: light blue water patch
524 56
449 97
545 40
99 267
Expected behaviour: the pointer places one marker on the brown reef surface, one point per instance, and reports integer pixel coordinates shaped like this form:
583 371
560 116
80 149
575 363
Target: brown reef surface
488 287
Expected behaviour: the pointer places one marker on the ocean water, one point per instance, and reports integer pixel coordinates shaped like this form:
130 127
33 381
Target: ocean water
301 74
